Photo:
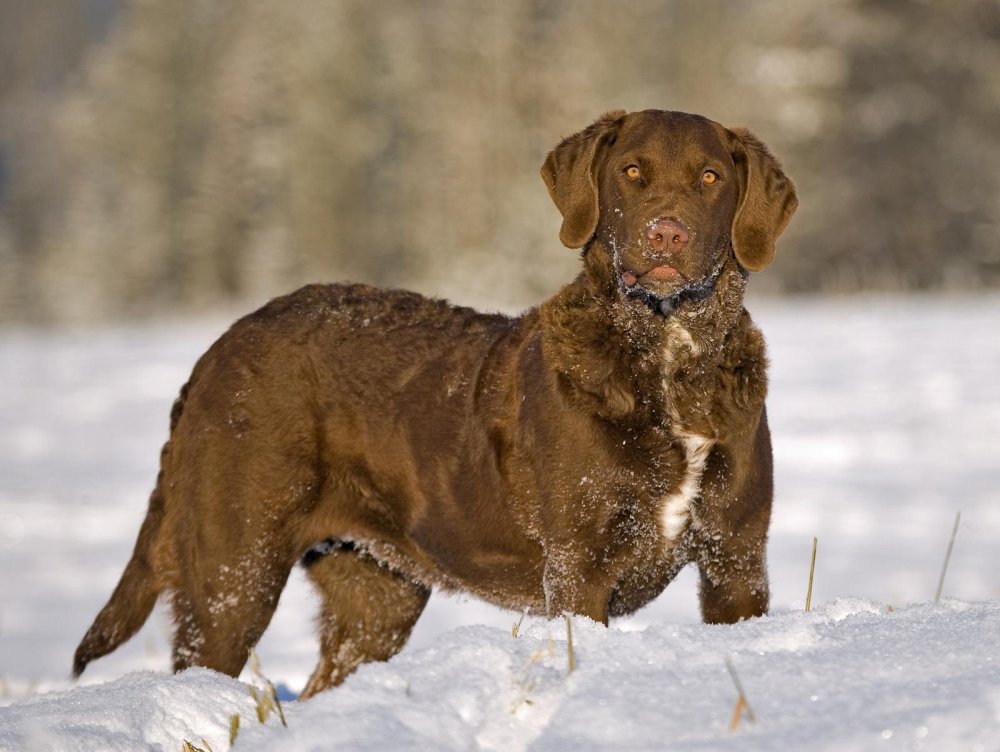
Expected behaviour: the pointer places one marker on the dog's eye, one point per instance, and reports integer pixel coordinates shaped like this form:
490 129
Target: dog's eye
632 172
709 176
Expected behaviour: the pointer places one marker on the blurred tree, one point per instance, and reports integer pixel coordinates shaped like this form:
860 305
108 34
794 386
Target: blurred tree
215 150
41 47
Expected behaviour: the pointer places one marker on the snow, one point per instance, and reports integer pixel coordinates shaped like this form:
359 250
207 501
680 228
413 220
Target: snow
885 419
847 676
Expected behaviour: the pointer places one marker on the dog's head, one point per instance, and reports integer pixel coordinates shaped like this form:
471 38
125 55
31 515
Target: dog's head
668 195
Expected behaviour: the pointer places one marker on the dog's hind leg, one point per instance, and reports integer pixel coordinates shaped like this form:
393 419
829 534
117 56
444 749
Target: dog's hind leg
367 612
241 477
220 618
231 551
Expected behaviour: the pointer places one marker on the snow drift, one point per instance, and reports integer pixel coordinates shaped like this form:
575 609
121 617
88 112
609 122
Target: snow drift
852 675
885 418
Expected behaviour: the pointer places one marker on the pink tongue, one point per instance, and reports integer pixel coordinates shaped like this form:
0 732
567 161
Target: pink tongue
629 279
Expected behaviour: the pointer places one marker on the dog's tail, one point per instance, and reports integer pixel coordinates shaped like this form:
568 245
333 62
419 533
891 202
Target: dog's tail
132 600
139 587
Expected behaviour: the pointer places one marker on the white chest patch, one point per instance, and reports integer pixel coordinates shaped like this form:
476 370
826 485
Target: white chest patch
676 512
678 338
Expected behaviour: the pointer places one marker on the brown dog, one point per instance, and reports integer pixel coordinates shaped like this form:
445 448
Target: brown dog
572 459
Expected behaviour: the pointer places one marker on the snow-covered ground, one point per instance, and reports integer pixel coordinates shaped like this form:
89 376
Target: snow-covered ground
886 422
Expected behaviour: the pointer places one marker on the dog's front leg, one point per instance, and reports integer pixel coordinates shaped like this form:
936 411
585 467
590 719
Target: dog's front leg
573 585
733 584
731 542
732 561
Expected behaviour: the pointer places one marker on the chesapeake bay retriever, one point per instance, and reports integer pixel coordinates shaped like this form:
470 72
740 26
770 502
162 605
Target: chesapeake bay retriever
572 459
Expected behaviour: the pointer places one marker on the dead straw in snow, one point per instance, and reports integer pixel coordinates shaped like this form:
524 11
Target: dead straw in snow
947 557
812 571
742 704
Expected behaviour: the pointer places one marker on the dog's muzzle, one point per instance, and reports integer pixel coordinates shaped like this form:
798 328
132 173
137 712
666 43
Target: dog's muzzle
665 305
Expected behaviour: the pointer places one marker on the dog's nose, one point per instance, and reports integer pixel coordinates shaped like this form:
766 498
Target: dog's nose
667 236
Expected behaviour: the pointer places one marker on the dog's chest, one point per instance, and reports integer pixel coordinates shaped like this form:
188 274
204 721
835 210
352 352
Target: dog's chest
688 401
677 509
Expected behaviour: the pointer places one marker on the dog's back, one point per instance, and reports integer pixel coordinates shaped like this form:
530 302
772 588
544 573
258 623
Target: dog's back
326 393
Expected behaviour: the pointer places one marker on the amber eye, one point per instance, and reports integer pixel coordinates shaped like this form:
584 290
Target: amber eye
632 172
709 176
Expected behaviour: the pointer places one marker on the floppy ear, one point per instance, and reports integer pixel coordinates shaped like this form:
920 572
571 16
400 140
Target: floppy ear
767 201
569 173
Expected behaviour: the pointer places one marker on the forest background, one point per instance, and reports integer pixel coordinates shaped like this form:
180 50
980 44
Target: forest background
174 156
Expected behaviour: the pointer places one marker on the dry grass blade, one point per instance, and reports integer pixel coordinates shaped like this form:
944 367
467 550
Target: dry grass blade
947 557
812 572
517 627
261 704
527 683
234 728
267 700
569 639
255 664
277 704
742 700
741 705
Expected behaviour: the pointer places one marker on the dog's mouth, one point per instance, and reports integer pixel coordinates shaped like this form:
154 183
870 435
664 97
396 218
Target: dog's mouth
660 287
661 273
663 286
